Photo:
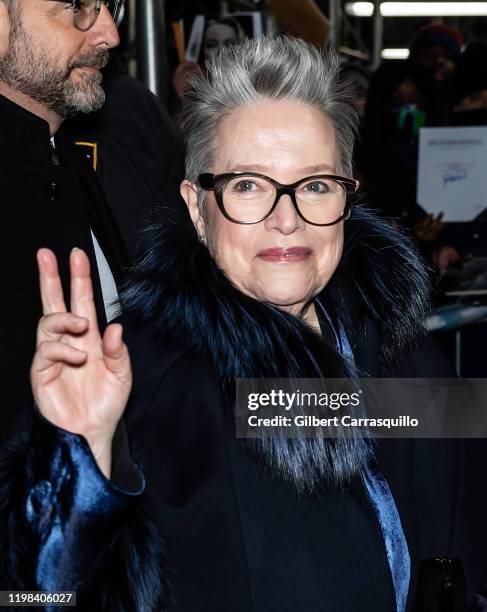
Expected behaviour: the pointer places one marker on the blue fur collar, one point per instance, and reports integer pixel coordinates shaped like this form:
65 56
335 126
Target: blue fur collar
178 286
179 289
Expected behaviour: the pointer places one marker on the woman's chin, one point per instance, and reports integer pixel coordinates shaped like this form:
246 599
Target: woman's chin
286 293
289 303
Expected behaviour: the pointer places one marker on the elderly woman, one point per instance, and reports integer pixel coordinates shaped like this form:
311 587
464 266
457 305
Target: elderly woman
282 278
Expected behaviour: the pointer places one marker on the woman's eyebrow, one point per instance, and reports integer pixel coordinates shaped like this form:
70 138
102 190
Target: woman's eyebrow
265 169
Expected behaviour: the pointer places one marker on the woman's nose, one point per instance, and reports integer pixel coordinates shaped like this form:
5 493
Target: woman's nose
284 217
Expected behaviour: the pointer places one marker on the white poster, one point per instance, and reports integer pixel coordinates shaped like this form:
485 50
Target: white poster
452 171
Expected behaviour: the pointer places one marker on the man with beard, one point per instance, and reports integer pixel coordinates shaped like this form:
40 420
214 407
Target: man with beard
51 54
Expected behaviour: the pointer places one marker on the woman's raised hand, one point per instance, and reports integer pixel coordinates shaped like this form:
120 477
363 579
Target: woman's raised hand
80 380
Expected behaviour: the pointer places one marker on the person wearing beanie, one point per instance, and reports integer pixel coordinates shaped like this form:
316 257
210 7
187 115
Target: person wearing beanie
438 47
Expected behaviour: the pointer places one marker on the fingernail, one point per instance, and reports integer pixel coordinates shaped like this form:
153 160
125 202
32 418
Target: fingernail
74 249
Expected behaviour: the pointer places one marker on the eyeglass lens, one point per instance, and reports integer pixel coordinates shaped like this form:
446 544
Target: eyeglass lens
86 12
248 199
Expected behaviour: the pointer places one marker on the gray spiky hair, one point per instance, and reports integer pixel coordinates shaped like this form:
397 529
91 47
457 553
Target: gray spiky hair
264 68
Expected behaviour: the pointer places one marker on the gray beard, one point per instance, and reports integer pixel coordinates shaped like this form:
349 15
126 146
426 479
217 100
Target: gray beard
29 70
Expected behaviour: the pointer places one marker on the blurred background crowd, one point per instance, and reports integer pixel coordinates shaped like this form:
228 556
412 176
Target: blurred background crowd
418 72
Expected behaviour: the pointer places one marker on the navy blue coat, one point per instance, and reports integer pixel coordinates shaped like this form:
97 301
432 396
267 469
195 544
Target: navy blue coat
201 521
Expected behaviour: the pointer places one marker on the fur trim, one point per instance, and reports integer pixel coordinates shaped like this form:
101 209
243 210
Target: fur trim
14 541
134 574
382 276
178 287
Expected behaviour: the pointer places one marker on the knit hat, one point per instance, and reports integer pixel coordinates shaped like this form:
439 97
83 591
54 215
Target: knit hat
437 34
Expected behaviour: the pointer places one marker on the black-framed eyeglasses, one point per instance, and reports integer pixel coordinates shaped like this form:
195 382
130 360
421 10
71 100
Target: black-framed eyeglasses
249 197
85 12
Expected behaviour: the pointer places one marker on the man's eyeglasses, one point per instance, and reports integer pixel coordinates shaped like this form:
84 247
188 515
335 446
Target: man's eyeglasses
85 12
248 197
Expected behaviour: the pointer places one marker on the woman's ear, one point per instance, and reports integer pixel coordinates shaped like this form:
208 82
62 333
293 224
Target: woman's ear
190 196
4 29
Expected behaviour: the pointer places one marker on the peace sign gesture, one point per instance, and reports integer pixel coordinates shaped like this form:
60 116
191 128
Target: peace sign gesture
80 380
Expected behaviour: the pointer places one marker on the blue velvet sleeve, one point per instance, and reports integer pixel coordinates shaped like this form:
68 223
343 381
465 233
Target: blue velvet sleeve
64 526
72 511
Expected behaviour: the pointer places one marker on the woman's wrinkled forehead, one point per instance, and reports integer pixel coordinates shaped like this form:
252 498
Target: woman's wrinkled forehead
286 137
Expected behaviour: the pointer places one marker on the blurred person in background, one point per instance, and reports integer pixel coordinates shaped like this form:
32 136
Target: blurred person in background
404 97
438 48
398 105
469 87
219 33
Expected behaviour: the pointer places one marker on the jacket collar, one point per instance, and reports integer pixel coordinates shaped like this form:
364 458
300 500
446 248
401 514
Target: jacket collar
26 136
381 283
179 290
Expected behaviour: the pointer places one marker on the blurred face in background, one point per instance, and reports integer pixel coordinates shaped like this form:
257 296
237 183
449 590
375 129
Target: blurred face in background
438 59
407 92
218 35
51 62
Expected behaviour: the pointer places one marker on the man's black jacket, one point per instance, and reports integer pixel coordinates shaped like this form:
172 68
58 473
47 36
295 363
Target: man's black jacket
46 204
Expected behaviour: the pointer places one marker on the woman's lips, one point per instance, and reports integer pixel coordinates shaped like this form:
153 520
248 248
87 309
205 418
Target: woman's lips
291 255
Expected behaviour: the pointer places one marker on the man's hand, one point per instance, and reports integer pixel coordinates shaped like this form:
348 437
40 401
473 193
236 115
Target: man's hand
444 257
428 228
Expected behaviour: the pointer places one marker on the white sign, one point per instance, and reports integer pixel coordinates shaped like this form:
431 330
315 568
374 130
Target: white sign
195 39
452 171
